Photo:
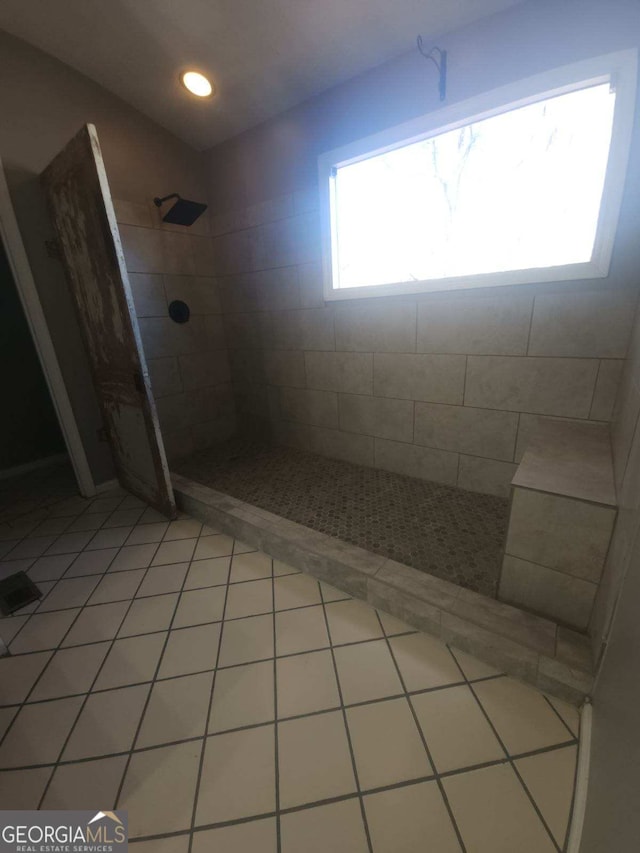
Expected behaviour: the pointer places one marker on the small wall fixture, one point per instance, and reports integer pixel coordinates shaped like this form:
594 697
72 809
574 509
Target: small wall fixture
183 212
440 63
196 83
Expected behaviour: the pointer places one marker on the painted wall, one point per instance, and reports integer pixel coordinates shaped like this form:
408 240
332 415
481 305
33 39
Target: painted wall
612 818
188 362
445 386
31 430
42 104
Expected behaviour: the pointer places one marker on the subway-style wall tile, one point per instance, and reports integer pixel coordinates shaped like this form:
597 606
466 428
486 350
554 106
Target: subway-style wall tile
349 372
463 429
317 408
148 295
414 461
595 324
488 476
547 592
387 327
606 390
561 533
376 416
546 386
435 378
496 325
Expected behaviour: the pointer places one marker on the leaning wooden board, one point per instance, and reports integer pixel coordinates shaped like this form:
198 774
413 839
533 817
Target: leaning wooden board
80 205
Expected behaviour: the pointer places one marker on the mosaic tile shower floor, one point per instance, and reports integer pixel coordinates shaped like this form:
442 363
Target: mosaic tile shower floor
446 531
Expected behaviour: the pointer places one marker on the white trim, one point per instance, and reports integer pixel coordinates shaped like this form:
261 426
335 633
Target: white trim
620 69
582 779
46 462
25 285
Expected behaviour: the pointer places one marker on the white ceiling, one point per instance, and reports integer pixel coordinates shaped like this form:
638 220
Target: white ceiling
264 57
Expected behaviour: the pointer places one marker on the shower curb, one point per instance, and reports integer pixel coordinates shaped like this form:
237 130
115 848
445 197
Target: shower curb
529 647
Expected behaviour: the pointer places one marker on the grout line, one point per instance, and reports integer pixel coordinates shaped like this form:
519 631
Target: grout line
513 767
275 713
196 793
346 725
86 699
559 715
412 709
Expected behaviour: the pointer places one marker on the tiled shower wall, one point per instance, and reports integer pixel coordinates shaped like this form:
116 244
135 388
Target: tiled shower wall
188 362
443 386
625 435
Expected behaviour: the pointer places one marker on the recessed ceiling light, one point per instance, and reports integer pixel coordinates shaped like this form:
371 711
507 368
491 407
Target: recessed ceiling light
197 84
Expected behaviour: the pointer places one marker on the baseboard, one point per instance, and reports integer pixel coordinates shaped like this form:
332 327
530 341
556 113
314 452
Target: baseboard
47 462
582 780
107 486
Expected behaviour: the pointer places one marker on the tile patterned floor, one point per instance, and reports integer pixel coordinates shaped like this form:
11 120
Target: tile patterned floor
231 703
446 531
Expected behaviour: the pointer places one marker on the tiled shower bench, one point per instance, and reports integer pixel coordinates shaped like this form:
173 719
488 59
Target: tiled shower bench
563 511
527 646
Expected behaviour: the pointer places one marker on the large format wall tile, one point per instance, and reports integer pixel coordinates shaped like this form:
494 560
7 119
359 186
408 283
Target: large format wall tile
590 325
561 533
310 329
607 384
387 327
483 325
551 593
342 445
349 372
423 462
188 363
317 408
546 386
377 416
480 432
284 368
485 475
436 378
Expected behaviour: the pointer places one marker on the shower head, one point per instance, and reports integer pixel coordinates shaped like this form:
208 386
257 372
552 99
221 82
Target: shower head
183 212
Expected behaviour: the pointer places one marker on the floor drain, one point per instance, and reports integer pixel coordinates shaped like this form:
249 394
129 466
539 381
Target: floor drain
16 592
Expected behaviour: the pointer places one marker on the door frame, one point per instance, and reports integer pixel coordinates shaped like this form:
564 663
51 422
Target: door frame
25 285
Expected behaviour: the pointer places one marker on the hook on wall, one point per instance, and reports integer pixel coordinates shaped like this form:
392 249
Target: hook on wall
440 63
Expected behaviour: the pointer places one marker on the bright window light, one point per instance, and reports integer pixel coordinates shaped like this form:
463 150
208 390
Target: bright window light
519 190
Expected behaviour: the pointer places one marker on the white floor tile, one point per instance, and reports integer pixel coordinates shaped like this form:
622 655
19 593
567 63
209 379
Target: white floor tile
256 836
39 732
96 623
306 683
212 572
18 675
131 661
190 650
243 696
108 723
246 640
521 715
386 743
70 671
81 786
424 662
494 814
549 777
250 567
300 630
177 710
149 614
366 671
43 631
352 621
337 827
199 606
159 789
314 759
455 729
247 786
400 820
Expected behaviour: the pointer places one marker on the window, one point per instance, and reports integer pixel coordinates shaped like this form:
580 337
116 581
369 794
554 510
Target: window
521 185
